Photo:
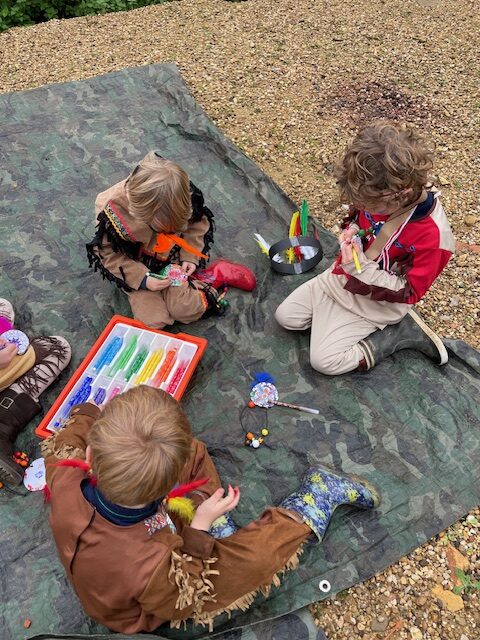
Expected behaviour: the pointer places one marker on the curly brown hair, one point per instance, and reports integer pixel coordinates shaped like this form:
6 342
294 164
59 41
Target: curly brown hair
385 159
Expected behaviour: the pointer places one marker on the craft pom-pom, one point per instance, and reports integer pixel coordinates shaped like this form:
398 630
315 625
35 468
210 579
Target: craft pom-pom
262 376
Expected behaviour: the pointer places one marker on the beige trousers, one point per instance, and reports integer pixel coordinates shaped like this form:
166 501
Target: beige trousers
157 309
335 331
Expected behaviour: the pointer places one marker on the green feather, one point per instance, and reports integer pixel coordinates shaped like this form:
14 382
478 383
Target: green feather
304 217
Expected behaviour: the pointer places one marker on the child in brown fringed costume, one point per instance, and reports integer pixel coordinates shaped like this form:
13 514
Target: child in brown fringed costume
135 558
154 218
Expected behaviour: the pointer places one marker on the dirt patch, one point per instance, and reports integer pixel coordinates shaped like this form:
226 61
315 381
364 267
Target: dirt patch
371 100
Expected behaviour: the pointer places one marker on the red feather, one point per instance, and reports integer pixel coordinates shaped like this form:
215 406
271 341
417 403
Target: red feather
298 232
183 489
80 464
46 493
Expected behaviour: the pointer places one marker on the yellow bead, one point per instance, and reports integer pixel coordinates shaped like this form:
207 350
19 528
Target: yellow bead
264 432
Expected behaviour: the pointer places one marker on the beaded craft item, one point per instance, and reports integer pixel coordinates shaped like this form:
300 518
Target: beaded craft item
264 394
175 273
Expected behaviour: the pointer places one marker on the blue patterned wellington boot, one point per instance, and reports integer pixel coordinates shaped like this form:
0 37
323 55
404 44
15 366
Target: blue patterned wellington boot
223 527
321 492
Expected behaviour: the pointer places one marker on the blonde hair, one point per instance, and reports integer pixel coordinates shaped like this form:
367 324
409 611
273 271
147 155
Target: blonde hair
140 444
159 194
383 160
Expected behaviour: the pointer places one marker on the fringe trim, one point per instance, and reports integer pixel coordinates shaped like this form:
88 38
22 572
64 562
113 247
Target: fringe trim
49 447
200 210
192 590
95 262
209 298
115 218
120 244
243 603
154 264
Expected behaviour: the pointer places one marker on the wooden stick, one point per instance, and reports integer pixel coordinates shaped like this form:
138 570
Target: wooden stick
296 406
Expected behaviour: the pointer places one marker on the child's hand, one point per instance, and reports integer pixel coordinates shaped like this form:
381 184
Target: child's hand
346 251
189 267
154 284
214 507
349 239
7 352
347 234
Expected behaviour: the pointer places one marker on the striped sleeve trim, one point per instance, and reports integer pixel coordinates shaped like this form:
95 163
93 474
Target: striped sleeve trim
383 294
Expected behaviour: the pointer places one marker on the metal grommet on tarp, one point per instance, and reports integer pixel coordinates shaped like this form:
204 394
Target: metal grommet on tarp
324 586
295 267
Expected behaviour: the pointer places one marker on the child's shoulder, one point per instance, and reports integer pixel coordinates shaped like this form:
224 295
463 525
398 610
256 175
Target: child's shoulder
116 193
127 227
112 205
433 228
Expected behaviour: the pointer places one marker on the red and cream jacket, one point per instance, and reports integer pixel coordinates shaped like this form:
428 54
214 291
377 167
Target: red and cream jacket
410 262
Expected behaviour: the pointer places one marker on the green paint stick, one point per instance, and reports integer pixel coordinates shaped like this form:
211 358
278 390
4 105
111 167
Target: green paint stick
124 357
136 364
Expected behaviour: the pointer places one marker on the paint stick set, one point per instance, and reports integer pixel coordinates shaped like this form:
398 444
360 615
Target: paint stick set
127 354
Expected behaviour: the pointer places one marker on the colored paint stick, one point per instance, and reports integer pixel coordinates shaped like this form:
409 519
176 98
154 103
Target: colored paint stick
149 367
177 376
167 366
81 395
99 396
124 356
115 391
136 364
109 353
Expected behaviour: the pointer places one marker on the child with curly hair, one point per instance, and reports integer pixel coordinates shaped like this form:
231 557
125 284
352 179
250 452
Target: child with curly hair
395 242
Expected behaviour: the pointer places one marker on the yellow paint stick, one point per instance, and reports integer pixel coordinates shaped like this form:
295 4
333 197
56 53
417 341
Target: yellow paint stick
356 261
149 366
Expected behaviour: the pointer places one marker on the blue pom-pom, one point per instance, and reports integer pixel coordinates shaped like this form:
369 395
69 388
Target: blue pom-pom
262 376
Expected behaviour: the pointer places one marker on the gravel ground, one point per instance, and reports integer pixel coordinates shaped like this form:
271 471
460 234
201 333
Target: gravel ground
289 81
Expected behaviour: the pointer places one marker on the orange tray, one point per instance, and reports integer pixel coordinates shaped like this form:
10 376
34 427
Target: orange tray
190 349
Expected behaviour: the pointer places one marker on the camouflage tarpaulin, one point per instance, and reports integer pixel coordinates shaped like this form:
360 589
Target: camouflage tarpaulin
408 426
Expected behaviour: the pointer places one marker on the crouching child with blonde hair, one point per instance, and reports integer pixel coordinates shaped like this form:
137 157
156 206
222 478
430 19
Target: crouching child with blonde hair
152 222
137 560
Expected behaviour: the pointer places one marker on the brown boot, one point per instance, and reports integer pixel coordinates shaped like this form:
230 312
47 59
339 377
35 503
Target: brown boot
52 355
19 403
16 411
